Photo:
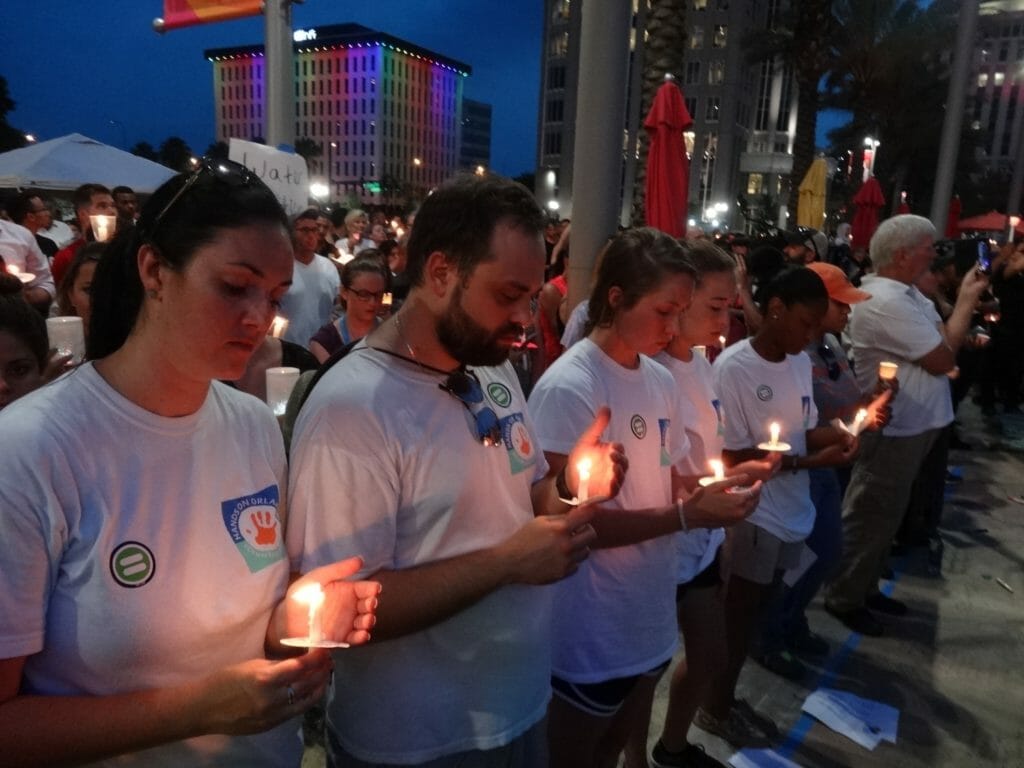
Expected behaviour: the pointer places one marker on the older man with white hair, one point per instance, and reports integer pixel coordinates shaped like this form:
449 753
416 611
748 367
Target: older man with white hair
901 326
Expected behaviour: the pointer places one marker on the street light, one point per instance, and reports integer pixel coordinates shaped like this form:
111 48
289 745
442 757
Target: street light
30 138
319 190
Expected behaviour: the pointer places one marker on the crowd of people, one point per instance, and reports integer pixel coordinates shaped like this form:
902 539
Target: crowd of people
724 429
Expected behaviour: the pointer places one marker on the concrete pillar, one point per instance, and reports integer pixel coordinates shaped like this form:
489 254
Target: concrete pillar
600 116
950 144
279 67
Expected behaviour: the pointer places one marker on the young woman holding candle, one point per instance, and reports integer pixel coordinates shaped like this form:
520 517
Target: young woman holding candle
74 291
143 571
836 396
364 280
762 380
615 629
699 603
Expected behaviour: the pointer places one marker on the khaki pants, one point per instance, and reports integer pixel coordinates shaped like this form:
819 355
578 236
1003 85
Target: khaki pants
873 510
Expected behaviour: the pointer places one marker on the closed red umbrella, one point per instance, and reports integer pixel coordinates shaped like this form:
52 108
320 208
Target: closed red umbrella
952 230
869 200
668 168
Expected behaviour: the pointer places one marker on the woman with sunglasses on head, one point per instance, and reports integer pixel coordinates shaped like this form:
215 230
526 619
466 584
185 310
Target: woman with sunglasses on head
364 280
143 570
615 627
836 396
766 380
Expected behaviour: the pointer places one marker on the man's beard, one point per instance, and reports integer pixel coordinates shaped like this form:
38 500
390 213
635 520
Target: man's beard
467 341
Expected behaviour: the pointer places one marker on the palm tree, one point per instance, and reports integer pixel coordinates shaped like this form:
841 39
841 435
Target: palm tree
802 38
890 73
663 53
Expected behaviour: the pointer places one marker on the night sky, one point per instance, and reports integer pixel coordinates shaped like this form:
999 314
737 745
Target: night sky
77 66
98 68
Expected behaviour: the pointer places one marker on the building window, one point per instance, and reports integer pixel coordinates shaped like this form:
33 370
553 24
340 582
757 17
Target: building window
556 76
998 78
713 107
719 39
554 111
982 79
700 5
561 11
755 183
553 143
691 105
692 72
697 38
560 44
716 72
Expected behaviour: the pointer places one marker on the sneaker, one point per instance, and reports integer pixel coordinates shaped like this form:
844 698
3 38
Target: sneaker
859 620
693 756
808 643
783 664
741 708
887 605
733 729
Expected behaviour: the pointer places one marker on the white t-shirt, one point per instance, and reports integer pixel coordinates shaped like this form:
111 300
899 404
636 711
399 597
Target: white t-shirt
18 248
617 614
141 551
388 466
754 393
345 254
900 325
705 429
310 299
575 324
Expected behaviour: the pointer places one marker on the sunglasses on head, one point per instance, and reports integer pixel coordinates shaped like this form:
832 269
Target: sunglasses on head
465 387
223 171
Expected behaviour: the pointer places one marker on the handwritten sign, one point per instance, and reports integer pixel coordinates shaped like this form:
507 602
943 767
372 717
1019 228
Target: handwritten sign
285 173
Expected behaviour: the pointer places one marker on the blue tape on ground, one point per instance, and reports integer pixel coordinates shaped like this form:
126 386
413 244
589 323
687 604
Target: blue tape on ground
797 734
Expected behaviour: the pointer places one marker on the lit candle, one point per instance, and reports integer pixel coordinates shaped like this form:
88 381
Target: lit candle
717 473
583 470
312 595
280 382
858 421
701 350
103 226
386 300
775 430
887 371
278 326
721 341
67 336
25 277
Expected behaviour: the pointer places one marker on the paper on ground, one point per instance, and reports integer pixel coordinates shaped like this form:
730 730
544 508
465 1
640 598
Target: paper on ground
863 721
760 758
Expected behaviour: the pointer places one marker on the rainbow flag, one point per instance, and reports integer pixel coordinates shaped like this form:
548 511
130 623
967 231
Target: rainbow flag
187 13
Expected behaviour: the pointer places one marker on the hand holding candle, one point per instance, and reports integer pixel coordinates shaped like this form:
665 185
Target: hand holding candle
598 467
717 473
331 607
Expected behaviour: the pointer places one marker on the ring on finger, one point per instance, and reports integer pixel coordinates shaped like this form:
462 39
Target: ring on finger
291 695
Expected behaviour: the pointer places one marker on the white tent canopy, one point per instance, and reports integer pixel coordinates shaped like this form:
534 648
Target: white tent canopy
72 160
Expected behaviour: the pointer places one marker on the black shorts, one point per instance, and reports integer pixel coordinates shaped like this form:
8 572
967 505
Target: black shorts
602 699
709 577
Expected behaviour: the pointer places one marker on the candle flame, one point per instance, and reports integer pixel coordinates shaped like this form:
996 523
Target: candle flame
278 326
13 269
311 595
775 430
583 467
717 469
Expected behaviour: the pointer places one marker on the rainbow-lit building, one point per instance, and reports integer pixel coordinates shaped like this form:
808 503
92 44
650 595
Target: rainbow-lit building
386 113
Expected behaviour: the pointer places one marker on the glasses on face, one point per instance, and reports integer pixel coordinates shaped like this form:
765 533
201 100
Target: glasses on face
308 230
367 295
831 363
224 171
465 387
